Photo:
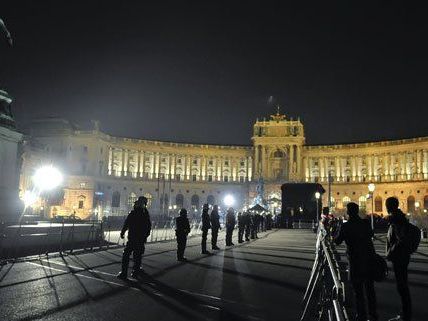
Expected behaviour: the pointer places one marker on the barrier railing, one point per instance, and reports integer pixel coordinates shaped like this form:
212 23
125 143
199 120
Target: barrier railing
44 237
325 297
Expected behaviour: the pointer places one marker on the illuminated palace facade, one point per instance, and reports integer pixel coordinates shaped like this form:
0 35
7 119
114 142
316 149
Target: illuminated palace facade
104 174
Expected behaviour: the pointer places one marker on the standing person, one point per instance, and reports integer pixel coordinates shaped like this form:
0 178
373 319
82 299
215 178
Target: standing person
230 225
247 222
138 225
215 226
241 227
357 235
397 251
182 229
206 225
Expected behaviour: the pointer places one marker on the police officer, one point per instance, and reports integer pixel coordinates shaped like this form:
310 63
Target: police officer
182 229
215 226
138 225
230 225
241 227
206 225
247 223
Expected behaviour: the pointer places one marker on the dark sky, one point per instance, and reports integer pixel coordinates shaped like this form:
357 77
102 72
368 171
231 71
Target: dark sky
203 71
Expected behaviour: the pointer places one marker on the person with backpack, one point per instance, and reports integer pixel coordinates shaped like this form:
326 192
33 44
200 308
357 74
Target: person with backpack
138 225
357 234
402 240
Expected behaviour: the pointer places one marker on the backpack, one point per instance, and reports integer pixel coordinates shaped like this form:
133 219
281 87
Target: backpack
413 237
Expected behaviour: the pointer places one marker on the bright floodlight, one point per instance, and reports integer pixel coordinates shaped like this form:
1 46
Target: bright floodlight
371 187
47 178
29 198
317 195
229 200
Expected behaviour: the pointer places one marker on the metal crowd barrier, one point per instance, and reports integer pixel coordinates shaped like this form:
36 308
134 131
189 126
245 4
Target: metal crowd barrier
325 297
40 238
304 224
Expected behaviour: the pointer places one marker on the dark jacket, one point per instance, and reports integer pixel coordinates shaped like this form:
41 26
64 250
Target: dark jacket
230 220
357 234
206 221
215 220
182 225
138 225
241 220
397 247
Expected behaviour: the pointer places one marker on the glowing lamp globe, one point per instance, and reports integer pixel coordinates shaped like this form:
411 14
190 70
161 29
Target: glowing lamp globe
47 178
229 200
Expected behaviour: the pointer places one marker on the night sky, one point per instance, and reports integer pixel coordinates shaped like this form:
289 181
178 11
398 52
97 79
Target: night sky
203 72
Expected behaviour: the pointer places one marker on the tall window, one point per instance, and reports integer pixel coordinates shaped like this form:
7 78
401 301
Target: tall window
210 178
211 200
194 177
362 202
411 204
149 199
131 199
226 178
179 200
195 202
426 202
346 200
241 179
115 200
378 204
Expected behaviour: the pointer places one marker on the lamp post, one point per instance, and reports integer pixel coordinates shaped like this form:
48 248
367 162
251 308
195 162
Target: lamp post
371 188
317 197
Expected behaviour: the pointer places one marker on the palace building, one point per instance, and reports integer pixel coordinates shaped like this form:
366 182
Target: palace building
105 174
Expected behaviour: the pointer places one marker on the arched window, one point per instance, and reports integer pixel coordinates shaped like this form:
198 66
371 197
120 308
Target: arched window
346 200
426 202
149 199
278 154
211 200
195 202
132 197
378 204
333 202
411 204
362 202
179 200
115 199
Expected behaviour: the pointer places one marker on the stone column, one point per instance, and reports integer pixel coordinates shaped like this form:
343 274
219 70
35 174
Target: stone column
425 164
249 169
338 172
353 168
306 169
142 162
299 162
262 163
110 160
375 167
256 160
156 164
321 169
291 163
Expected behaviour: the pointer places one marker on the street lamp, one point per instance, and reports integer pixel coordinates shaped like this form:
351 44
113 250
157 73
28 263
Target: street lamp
229 200
371 192
47 178
317 197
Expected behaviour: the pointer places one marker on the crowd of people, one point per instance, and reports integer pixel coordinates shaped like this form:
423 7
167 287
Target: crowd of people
138 226
356 232
401 242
